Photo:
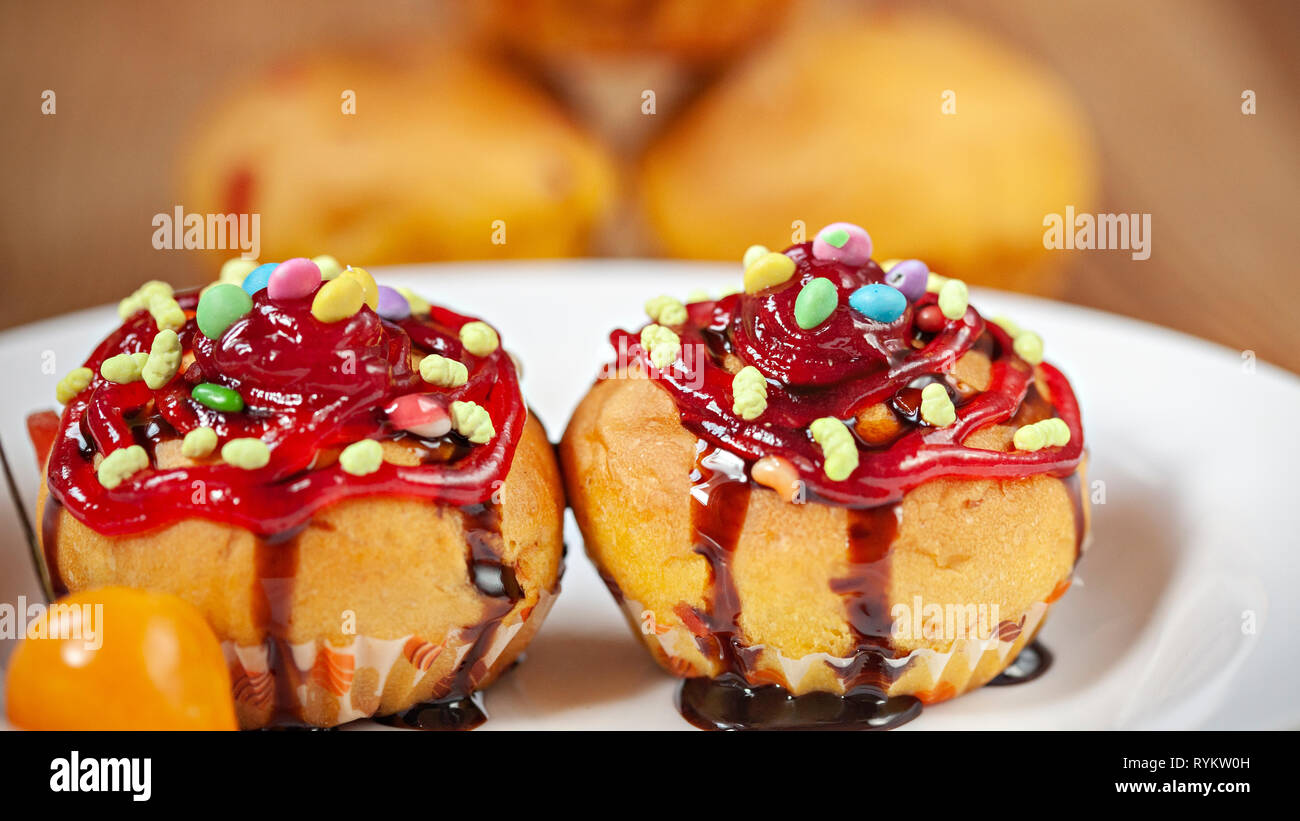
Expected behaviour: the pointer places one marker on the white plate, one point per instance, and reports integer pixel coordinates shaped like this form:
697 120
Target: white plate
1197 531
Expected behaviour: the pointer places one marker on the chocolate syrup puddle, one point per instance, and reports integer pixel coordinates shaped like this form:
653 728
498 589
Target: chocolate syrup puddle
729 703
454 713
1033 660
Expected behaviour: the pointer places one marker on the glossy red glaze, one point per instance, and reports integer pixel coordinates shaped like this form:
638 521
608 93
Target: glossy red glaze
308 387
842 366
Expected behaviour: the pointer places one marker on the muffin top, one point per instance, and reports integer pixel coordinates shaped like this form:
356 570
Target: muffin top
276 391
855 381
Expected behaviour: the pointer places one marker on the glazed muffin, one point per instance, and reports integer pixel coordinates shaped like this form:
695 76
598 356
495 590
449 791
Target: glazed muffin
343 478
441 155
950 146
833 496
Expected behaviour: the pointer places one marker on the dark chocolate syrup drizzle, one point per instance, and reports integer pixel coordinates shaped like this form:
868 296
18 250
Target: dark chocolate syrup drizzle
1033 661
309 387
842 366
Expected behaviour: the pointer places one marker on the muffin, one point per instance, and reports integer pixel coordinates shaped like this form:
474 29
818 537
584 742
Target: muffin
436 155
832 497
343 478
949 145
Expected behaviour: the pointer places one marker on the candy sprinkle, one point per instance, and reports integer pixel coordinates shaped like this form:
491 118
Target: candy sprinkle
420 413
936 406
666 310
163 361
338 299
1029 347
258 278
472 421
839 450
234 270
478 338
293 279
879 303
817 300
419 305
219 307
748 393
392 305
662 345
246 453
954 298
76 381
443 372
217 397
124 368
1043 434
362 458
328 265
119 465
369 290
910 277
752 253
766 271
199 443
843 242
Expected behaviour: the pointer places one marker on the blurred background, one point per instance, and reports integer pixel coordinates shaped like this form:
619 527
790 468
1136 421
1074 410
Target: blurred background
414 131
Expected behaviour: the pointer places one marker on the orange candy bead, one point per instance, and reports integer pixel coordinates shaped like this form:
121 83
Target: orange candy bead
142 661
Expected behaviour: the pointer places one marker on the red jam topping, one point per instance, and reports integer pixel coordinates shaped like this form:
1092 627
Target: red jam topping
846 364
309 389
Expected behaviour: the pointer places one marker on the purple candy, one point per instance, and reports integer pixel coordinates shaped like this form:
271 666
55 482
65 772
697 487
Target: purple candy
909 276
843 242
293 279
392 305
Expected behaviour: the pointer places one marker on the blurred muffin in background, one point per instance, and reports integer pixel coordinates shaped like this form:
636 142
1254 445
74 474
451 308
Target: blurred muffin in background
695 31
444 150
848 116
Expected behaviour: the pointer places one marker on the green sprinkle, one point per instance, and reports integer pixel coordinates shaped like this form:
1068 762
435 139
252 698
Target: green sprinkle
836 236
815 303
219 307
217 397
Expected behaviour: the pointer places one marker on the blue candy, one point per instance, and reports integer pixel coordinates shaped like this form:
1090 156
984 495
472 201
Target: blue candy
258 278
879 302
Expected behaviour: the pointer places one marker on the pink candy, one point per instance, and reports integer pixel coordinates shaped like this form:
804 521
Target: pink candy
293 279
843 242
419 413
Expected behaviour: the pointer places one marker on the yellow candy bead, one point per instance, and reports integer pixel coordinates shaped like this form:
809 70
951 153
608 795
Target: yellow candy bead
124 368
1029 347
472 421
419 305
752 254
362 458
936 406
953 299
328 265
247 453
748 393
478 338
140 298
443 372
233 271
766 271
74 383
662 345
164 360
338 299
934 282
369 289
121 464
1058 433
839 449
198 443
889 263
666 310
1030 438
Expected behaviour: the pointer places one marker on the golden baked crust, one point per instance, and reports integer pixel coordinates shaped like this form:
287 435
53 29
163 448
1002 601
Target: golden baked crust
379 585
627 462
